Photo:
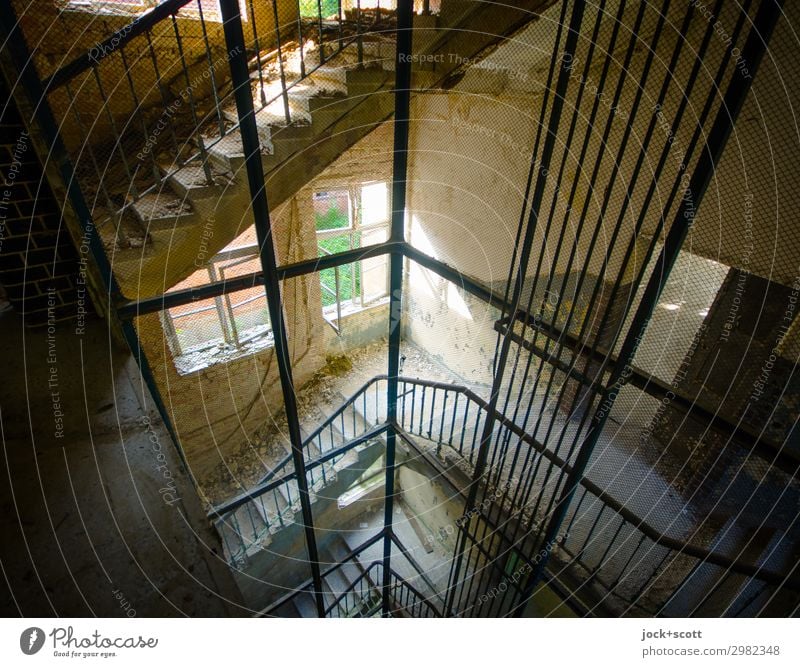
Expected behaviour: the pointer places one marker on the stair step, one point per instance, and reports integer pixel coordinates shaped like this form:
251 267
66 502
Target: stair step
243 533
191 182
484 80
452 12
162 209
327 109
337 551
275 112
228 154
305 605
337 582
290 493
382 54
271 507
133 262
363 82
322 81
732 540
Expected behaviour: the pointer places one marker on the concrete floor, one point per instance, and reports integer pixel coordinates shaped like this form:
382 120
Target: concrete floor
98 515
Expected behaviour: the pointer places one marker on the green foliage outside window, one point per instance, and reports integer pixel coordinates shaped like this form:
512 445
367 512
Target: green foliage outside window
311 8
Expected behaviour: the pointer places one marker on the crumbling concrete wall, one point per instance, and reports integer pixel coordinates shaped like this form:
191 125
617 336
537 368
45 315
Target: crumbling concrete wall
219 409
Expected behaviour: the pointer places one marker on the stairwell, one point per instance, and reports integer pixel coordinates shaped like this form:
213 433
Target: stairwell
336 103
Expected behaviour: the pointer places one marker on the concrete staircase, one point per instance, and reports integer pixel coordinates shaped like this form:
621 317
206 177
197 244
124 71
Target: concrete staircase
350 591
711 591
330 109
250 529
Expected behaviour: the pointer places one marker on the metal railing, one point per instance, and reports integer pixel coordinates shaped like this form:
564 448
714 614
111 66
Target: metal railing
149 106
613 553
363 596
609 554
271 505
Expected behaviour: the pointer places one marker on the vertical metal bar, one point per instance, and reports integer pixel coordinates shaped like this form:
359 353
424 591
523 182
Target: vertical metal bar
117 136
137 111
319 24
422 410
211 71
257 46
752 52
341 21
234 38
281 69
338 298
163 93
190 92
444 410
85 133
219 303
300 41
453 419
402 105
359 35
553 123
627 562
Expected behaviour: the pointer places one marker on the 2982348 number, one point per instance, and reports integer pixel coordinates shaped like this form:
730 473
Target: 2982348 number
746 649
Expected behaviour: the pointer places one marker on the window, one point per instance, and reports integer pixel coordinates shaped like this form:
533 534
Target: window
225 327
348 218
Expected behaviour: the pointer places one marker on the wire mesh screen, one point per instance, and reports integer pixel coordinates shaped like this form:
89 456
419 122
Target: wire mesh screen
589 119
631 116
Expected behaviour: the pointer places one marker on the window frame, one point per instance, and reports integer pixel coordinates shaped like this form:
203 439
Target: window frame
333 312
231 334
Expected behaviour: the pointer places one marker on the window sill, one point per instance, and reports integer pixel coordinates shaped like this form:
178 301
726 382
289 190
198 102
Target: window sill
196 361
349 310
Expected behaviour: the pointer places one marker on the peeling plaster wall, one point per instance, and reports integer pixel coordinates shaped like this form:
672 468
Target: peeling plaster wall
471 147
451 325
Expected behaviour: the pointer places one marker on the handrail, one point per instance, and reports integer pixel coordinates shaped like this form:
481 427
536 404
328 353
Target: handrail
307 584
265 487
422 599
783 457
415 565
116 41
321 428
343 595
